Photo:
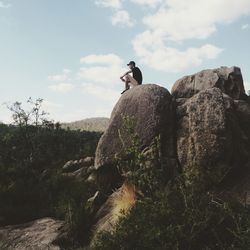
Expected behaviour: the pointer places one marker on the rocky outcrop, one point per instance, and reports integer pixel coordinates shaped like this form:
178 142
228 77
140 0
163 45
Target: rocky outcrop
202 136
152 111
78 169
73 165
210 134
204 128
36 235
204 123
228 80
146 111
213 122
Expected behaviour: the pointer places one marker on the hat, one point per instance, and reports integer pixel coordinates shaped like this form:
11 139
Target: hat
131 62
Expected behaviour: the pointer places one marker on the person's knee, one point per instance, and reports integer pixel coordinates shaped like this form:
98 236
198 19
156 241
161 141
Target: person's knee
127 77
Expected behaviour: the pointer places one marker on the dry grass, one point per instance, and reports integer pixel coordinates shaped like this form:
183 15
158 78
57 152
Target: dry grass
117 206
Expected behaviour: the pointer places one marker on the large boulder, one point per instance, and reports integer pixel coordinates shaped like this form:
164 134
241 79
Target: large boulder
151 108
204 129
213 122
229 80
210 134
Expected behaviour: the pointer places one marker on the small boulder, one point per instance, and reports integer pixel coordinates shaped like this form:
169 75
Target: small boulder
70 166
74 165
88 161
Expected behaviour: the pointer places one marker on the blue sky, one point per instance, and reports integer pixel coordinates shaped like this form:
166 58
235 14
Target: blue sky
71 53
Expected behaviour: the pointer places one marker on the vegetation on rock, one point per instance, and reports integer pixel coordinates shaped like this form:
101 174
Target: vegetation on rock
182 213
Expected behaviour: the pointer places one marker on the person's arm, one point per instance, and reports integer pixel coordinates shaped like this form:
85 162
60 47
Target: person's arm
130 71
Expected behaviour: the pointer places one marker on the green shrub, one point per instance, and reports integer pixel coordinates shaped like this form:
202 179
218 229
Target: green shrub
178 217
183 213
26 192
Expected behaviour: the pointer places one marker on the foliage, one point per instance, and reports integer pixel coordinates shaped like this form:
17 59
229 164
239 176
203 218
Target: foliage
181 219
34 116
179 214
140 167
32 153
183 213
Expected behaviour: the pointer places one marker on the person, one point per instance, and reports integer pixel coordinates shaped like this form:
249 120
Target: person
135 79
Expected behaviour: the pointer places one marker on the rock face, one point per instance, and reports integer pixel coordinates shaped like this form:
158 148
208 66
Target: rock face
229 80
204 125
213 121
152 110
209 133
202 136
38 234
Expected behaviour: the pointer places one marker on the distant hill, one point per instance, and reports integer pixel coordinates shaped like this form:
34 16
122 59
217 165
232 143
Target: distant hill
98 124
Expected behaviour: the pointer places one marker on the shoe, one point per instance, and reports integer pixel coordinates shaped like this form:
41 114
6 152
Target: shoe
124 91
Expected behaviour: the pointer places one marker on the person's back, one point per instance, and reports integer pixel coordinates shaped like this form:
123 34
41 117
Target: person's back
137 75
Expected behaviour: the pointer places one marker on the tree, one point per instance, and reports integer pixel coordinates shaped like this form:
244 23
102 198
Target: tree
34 116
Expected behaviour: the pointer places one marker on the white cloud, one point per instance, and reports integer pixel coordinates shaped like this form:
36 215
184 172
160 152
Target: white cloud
122 18
181 20
4 5
60 77
67 71
109 59
51 105
116 4
178 20
245 26
108 75
107 94
100 75
62 87
149 3
102 69
192 19
152 51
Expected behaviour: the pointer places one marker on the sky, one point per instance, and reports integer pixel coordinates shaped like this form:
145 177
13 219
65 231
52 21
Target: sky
71 53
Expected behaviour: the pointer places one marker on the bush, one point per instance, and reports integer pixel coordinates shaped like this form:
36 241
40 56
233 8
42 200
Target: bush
183 213
30 169
180 218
